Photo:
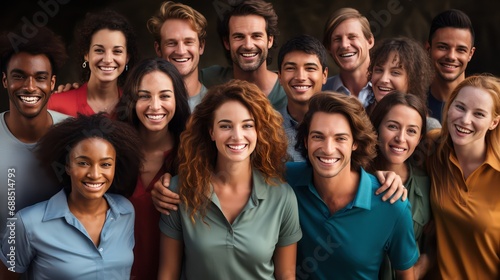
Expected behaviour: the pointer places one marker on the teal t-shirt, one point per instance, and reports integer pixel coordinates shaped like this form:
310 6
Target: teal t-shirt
351 243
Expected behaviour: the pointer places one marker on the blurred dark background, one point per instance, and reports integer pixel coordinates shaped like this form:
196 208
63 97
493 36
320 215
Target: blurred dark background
388 18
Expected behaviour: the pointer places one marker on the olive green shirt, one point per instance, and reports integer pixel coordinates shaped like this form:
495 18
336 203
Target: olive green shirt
418 186
216 249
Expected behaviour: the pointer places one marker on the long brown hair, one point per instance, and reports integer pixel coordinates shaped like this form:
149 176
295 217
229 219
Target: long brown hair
198 153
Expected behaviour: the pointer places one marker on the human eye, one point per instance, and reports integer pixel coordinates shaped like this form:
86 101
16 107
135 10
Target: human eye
412 131
118 51
378 69
17 76
106 164
165 96
41 78
248 125
289 68
480 114
143 96
311 69
317 137
82 163
392 126
460 107
99 50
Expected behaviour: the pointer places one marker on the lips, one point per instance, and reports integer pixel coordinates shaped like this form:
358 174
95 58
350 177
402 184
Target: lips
237 147
94 186
397 149
107 68
350 54
249 55
155 117
30 99
301 88
181 60
463 130
328 160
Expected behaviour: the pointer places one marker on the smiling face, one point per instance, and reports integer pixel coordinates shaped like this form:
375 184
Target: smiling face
450 51
180 46
399 134
349 47
388 77
233 132
155 105
107 55
29 83
248 42
329 144
470 116
301 76
91 168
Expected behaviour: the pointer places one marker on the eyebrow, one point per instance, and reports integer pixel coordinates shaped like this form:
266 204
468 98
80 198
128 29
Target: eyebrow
229 121
295 64
476 109
411 125
86 157
161 91
102 46
19 71
336 134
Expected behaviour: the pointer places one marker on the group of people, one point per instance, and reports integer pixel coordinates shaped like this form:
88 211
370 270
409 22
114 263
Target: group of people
156 169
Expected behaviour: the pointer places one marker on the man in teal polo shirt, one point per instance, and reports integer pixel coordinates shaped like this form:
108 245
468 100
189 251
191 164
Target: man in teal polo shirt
347 229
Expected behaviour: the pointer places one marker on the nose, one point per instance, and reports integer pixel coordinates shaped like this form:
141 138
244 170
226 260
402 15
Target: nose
451 55
248 43
400 137
385 77
94 172
466 118
155 103
108 57
344 42
329 146
181 48
30 84
236 133
300 74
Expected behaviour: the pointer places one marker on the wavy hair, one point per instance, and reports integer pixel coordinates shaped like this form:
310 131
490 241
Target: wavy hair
339 16
362 130
439 166
112 20
125 109
54 148
198 153
384 107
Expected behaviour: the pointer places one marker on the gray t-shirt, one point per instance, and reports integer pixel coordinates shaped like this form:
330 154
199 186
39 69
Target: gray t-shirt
23 182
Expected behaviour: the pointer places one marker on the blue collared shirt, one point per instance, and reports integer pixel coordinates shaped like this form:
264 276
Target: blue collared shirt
290 126
365 96
350 243
51 243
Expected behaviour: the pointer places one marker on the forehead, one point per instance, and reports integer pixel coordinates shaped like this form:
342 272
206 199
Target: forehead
392 59
107 36
453 36
301 57
348 26
330 123
29 63
94 146
248 23
231 109
177 28
403 114
475 97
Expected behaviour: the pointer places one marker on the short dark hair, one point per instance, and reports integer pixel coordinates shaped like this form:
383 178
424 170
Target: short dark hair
106 19
54 148
451 18
350 107
125 109
303 43
245 8
44 42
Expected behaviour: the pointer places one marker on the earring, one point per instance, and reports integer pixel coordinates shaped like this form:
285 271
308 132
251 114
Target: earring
84 64
126 67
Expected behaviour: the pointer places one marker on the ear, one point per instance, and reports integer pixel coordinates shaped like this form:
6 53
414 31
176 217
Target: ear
428 47
66 167
494 123
226 43
52 83
202 47
325 75
371 42
4 80
354 146
270 42
157 49
472 50
211 131
86 57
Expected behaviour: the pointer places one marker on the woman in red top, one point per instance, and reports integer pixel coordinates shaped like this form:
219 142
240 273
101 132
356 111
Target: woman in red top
107 49
155 102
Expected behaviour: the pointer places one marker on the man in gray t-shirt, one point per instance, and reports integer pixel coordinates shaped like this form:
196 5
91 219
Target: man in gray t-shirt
29 70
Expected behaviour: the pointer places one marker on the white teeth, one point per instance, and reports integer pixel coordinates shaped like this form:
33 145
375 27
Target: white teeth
328 160
400 150
236 147
180 59
347 54
302 87
449 66
463 130
155 117
29 99
107 68
249 54
93 186
384 89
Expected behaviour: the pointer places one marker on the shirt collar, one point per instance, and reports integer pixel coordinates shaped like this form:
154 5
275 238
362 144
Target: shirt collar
490 160
57 207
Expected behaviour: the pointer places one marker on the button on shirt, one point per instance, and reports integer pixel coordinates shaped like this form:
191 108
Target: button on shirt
216 249
365 96
51 243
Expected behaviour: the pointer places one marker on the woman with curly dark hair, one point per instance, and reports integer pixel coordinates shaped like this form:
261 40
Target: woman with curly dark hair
108 50
238 219
86 230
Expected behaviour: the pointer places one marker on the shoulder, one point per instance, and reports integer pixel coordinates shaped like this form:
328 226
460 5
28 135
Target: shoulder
119 203
57 117
298 173
33 214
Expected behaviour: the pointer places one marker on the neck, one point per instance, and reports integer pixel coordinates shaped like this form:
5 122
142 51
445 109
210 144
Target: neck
343 184
233 173
193 85
156 140
471 156
355 81
263 78
401 169
28 130
441 89
87 207
297 110
97 90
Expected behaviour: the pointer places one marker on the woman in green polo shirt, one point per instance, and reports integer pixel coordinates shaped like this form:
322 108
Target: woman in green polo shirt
237 219
400 121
